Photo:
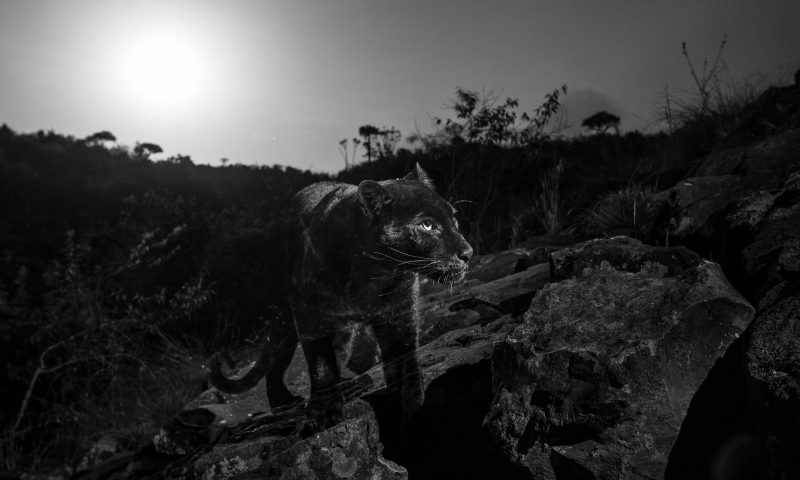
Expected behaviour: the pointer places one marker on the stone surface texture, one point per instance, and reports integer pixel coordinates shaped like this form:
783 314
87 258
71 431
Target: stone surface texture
596 381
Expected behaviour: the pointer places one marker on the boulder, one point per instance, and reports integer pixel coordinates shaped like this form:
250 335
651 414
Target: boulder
596 381
220 436
772 376
621 253
727 202
475 302
497 284
770 154
742 209
350 449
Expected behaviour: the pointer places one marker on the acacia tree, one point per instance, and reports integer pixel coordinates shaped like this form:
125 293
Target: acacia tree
145 149
601 122
100 137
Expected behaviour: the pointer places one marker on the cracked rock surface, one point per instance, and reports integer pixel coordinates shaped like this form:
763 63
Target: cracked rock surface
596 381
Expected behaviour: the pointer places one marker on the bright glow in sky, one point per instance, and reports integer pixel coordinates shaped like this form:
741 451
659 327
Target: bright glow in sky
162 71
281 82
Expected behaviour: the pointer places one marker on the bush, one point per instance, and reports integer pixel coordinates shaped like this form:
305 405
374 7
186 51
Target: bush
86 353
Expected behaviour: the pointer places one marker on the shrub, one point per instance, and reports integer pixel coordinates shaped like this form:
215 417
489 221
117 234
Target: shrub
87 354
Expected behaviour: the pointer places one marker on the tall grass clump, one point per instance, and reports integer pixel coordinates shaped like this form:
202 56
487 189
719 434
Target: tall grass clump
547 202
620 212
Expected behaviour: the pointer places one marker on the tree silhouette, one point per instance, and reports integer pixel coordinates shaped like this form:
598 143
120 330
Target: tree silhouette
343 151
601 122
144 150
481 118
356 143
369 132
390 136
99 137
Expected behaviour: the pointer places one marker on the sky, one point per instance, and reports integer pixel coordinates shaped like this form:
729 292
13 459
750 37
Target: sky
267 82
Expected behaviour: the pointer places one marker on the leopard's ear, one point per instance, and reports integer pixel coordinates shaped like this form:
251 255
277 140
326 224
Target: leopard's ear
373 197
419 175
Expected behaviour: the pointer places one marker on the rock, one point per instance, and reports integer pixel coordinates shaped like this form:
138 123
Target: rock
773 153
101 450
621 253
191 428
220 436
772 371
497 284
772 222
486 268
744 212
460 324
448 309
741 216
686 207
446 437
598 378
350 449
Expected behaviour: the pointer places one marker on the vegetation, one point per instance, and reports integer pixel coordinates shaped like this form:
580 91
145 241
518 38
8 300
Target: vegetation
601 122
119 275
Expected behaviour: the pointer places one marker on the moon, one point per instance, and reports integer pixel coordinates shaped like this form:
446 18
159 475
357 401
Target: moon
162 72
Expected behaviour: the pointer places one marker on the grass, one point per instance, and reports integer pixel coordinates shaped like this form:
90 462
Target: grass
719 105
618 212
130 410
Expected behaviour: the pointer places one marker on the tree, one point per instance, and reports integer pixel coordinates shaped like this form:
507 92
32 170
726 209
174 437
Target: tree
343 151
601 122
100 137
369 132
356 143
144 150
389 138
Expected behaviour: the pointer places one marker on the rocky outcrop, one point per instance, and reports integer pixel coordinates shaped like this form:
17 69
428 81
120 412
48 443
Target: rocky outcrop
350 449
225 436
742 209
772 376
633 362
497 284
217 438
596 381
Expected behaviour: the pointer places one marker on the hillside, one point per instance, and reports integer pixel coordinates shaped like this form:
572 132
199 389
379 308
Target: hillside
119 276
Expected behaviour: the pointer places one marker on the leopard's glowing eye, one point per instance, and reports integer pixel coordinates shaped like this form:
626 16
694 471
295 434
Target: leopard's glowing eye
426 225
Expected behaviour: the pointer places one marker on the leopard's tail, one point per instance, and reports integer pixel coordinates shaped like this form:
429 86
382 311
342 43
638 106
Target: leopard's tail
238 385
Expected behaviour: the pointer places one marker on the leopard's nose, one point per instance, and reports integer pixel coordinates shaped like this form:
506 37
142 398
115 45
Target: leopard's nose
465 253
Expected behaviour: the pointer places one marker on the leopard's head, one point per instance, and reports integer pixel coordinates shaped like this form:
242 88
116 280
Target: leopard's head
414 228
